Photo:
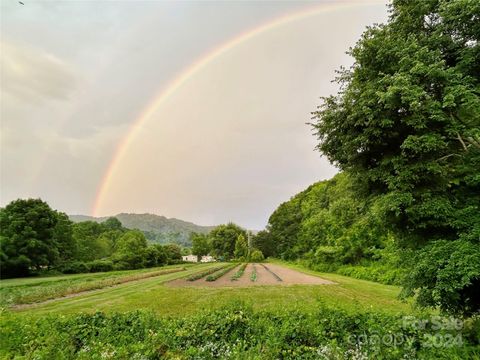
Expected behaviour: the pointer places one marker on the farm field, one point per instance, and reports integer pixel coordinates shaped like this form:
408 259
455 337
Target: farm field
163 295
235 315
264 277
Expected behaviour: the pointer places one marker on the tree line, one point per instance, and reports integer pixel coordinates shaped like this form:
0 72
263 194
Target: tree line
35 238
227 242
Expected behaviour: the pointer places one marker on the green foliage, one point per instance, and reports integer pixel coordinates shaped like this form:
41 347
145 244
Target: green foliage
332 225
407 123
239 273
31 237
448 275
157 229
220 273
112 223
265 242
203 273
200 244
92 241
253 275
75 267
233 332
256 256
131 251
241 247
223 239
156 255
173 252
100 266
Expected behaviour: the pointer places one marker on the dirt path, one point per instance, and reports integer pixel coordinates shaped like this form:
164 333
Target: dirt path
264 277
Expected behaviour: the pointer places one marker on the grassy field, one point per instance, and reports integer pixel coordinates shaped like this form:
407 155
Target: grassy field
152 294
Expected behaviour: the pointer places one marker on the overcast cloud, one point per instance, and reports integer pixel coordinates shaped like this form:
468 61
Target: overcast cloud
229 145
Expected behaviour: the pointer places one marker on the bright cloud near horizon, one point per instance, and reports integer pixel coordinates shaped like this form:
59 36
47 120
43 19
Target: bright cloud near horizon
94 118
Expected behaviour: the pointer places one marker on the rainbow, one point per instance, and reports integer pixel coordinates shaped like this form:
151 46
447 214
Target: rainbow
194 68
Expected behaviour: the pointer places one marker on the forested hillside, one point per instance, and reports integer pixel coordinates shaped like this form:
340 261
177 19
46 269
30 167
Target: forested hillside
331 226
157 229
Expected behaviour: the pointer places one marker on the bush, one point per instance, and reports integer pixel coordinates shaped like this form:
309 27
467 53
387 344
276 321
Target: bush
446 274
233 332
374 272
100 266
256 256
76 267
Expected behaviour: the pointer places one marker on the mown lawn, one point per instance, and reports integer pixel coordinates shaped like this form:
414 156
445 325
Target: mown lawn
348 294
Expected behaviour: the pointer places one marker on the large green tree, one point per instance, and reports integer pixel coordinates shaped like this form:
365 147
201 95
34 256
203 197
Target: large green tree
223 239
131 250
241 247
407 121
200 244
32 236
90 244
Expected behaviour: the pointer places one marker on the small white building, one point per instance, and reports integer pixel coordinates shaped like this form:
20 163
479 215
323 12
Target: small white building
190 258
207 258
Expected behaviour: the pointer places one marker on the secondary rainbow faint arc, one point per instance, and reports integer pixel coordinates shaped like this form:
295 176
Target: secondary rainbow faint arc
190 71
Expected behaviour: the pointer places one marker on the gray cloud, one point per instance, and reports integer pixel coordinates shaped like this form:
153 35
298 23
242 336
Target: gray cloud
31 74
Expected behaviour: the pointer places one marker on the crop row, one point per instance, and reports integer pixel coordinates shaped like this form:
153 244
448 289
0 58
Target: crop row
220 273
239 272
253 276
204 273
271 272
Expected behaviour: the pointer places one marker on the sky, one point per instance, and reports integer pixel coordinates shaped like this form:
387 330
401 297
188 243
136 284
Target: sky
194 110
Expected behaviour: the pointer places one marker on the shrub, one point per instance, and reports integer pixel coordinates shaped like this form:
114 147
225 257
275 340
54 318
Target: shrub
233 332
75 267
100 266
256 256
374 272
447 274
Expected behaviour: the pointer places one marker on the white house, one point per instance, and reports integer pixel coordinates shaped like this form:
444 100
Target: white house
190 258
207 258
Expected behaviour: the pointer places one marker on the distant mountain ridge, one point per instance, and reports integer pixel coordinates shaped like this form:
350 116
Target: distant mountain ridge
157 228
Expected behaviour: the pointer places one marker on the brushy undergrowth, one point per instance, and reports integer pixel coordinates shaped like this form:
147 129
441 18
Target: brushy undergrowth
233 332
220 273
239 272
381 274
28 294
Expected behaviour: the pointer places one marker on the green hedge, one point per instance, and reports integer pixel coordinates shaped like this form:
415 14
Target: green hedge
236 332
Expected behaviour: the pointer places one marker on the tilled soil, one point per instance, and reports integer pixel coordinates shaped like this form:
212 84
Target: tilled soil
264 277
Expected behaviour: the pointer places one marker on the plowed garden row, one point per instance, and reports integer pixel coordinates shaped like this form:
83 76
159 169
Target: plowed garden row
252 275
